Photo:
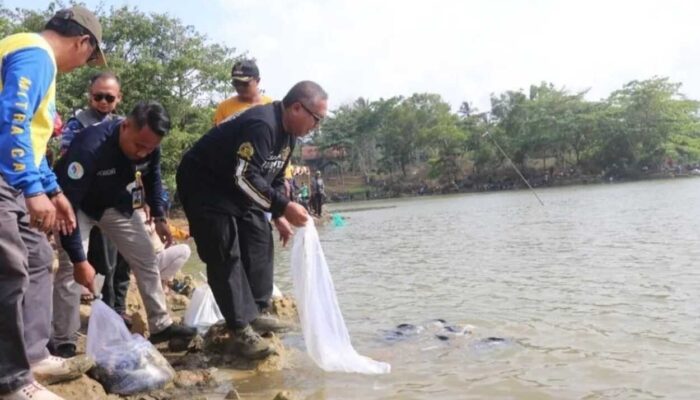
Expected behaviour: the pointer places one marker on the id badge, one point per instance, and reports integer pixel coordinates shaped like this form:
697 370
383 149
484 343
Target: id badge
137 196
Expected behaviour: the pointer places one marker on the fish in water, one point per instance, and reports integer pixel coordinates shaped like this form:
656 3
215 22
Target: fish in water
490 343
401 332
444 331
439 328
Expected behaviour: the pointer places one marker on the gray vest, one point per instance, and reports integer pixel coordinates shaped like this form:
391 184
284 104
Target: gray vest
89 117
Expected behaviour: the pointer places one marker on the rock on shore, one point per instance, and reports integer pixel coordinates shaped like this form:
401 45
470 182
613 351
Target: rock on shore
198 366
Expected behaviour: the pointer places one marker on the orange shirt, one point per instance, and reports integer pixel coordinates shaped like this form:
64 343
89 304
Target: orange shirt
232 106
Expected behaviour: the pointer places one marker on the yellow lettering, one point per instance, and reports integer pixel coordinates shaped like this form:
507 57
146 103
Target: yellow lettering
19 118
24 83
19 167
23 94
16 130
17 153
23 106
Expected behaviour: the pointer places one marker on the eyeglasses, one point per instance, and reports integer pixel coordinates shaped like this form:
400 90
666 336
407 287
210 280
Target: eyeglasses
104 96
317 118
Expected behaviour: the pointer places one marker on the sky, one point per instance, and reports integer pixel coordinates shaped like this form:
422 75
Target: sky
462 50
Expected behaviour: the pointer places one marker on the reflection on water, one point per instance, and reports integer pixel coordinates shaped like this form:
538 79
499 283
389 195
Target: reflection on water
597 294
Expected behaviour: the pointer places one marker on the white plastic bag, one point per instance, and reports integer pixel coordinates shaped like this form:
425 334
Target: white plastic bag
202 312
276 292
124 363
97 284
325 334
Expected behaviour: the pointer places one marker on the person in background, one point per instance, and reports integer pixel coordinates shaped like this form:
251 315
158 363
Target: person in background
290 184
245 77
170 258
304 195
104 95
318 193
31 200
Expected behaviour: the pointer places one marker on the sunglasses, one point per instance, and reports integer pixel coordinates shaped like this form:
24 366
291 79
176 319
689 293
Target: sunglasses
103 96
317 118
241 84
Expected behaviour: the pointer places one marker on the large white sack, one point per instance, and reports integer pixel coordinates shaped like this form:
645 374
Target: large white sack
124 363
325 334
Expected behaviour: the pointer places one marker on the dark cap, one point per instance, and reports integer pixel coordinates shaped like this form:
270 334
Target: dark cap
244 71
85 18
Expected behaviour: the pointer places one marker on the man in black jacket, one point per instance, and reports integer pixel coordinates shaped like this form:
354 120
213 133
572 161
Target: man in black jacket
237 165
104 95
111 169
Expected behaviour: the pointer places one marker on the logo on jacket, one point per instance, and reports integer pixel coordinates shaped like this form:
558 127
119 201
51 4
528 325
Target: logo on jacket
273 164
75 170
245 151
107 172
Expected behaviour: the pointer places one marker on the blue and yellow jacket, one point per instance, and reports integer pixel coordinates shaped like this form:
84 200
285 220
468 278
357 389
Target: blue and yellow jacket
27 110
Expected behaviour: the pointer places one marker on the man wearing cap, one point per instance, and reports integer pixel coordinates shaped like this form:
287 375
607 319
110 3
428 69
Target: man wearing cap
246 78
258 254
31 201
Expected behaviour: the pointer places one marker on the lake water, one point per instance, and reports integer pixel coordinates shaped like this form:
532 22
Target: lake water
597 295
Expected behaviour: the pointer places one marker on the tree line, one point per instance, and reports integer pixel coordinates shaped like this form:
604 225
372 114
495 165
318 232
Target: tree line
639 127
645 126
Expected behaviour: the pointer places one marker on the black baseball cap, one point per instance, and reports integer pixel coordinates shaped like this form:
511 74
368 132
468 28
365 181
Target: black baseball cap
245 71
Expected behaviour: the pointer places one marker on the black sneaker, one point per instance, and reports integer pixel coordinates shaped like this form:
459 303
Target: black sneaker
250 344
173 331
65 350
265 323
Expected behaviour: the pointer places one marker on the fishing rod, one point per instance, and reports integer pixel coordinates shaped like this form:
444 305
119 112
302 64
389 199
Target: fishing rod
487 134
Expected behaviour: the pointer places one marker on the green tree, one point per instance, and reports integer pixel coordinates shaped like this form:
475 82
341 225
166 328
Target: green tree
358 128
646 115
156 57
509 114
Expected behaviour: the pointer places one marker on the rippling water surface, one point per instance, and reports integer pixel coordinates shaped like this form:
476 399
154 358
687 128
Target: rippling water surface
597 292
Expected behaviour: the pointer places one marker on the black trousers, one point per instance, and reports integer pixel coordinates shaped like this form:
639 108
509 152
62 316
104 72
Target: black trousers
317 203
103 256
237 250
